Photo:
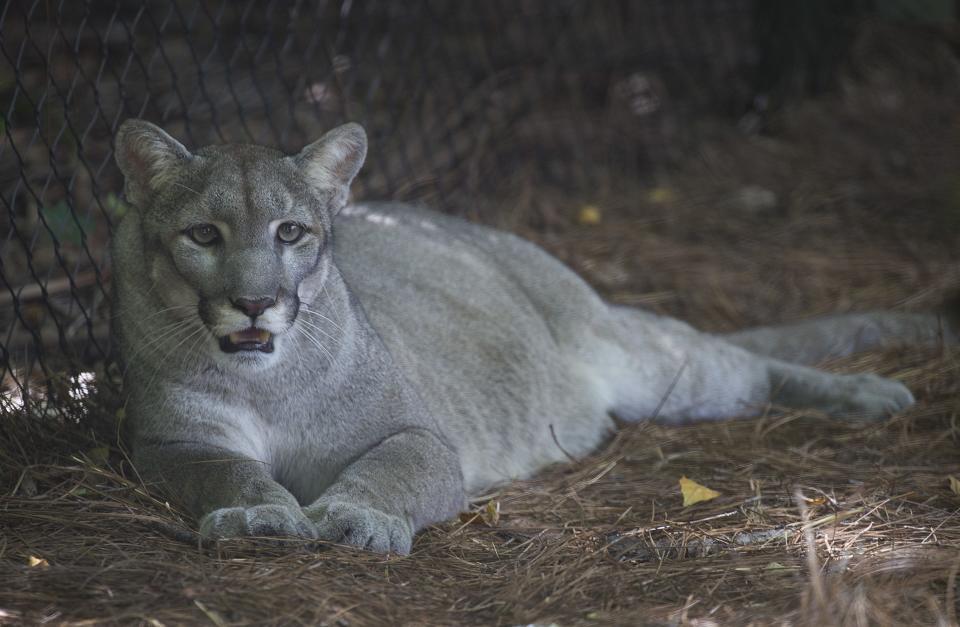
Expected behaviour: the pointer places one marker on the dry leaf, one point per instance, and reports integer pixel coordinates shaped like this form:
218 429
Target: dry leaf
590 215
954 484
35 562
693 492
661 195
489 515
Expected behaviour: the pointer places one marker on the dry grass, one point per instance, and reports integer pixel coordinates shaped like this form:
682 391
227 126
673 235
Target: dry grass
603 541
818 522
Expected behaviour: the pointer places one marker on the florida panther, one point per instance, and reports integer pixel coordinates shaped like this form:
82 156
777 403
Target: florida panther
300 366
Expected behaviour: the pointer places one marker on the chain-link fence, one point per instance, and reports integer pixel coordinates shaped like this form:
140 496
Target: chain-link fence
457 97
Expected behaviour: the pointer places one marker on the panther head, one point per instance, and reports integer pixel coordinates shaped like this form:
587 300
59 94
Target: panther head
236 236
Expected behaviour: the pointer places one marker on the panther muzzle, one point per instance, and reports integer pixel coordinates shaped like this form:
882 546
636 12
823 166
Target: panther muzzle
250 339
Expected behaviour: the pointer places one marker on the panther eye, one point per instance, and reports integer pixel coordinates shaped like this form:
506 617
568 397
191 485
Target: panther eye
204 234
290 232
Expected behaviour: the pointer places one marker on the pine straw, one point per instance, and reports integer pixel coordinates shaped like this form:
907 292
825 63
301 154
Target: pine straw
818 522
602 541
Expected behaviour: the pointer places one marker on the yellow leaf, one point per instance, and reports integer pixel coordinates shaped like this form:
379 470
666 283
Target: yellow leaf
491 513
954 484
35 562
661 195
590 215
693 492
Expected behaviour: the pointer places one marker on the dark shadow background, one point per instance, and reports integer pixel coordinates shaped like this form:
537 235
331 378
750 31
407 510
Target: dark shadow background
513 113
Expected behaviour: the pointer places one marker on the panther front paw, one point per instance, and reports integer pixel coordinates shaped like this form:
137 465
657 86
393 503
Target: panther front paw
361 526
873 398
259 520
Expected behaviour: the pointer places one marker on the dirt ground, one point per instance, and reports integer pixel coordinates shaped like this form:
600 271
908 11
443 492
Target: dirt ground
847 202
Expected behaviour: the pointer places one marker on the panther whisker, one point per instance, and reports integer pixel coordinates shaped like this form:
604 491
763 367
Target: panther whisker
169 325
174 323
191 362
165 332
315 327
336 312
314 312
316 343
299 360
167 354
193 329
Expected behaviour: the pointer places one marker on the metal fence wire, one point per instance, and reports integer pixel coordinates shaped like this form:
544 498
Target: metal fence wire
457 97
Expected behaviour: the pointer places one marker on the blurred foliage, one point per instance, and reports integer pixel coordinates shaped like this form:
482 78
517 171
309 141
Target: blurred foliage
66 225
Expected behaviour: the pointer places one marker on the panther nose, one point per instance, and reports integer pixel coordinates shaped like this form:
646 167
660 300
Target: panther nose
253 307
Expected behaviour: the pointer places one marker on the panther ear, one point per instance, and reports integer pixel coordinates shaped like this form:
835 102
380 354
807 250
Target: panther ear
334 159
148 158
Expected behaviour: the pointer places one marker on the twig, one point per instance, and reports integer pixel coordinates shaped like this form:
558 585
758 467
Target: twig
553 435
813 564
952 592
670 388
633 545
34 291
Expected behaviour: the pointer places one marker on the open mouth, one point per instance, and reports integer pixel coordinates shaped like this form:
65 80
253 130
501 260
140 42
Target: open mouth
251 339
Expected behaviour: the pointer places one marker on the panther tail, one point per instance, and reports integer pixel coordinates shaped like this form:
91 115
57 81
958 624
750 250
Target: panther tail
820 339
